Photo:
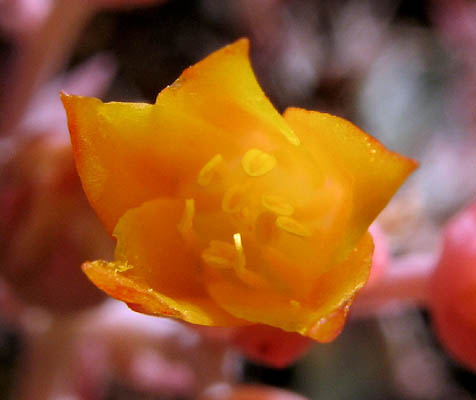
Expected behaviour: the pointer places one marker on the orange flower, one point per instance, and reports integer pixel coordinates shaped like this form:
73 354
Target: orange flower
225 212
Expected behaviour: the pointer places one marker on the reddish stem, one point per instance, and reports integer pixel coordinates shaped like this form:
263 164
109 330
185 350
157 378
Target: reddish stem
405 281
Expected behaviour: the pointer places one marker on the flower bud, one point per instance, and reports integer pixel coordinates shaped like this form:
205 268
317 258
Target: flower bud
453 289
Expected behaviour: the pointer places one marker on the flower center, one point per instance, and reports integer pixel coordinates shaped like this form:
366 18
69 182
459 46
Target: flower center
251 216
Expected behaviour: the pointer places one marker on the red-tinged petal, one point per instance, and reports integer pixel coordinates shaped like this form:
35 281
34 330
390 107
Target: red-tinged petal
303 315
139 296
329 327
156 270
341 283
376 172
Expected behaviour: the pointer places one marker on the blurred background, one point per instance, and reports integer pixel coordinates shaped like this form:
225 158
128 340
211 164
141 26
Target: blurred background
404 71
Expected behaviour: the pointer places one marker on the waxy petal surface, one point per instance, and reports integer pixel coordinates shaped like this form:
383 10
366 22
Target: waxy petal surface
214 106
227 213
117 155
156 271
376 172
320 316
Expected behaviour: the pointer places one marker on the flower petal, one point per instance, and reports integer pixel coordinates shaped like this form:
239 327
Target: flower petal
377 173
222 90
152 149
319 316
156 270
116 156
328 327
216 116
225 212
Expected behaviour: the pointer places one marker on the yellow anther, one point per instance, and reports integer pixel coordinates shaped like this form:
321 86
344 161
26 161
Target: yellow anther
233 199
185 224
256 162
206 174
277 205
290 225
220 254
291 137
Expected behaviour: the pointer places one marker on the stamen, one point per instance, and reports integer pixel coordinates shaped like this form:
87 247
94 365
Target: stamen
206 174
277 205
257 163
292 226
185 224
244 274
